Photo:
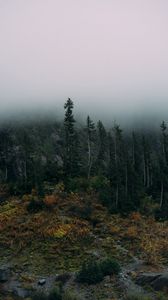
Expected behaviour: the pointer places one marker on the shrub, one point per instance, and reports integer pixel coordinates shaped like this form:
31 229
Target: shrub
35 206
90 273
50 200
99 183
68 295
55 294
39 296
77 184
147 205
161 214
110 266
105 196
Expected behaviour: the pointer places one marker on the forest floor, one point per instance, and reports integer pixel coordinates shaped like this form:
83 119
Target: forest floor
71 230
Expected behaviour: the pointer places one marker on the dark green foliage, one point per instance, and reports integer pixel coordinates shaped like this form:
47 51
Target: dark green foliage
161 214
99 183
110 266
93 272
90 273
35 205
39 296
70 158
77 184
105 196
55 294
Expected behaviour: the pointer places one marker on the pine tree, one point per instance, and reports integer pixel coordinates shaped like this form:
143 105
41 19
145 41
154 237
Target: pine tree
70 141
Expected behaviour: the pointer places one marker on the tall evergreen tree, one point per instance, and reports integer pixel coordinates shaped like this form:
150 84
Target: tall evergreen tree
70 141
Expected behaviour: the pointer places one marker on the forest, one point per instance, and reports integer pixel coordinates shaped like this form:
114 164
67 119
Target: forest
83 210
128 170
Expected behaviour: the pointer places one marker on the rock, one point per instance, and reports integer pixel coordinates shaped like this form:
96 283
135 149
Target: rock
158 281
21 292
4 274
147 278
41 281
161 283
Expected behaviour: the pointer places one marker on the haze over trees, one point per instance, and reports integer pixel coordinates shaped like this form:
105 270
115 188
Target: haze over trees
127 170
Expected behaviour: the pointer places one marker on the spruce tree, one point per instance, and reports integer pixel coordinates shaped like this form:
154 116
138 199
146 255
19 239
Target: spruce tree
70 141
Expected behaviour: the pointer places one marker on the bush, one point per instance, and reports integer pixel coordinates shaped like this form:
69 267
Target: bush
110 266
77 184
147 205
55 294
35 206
105 196
161 214
39 296
99 183
68 295
90 273
93 272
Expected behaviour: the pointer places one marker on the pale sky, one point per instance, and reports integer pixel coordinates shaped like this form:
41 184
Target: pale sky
108 53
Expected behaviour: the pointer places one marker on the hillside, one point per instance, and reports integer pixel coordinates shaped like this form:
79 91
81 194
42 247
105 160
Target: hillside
51 237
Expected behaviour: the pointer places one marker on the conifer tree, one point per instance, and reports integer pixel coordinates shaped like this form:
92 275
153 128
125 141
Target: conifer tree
70 141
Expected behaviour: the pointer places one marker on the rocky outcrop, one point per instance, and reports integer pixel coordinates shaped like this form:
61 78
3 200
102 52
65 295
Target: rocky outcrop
158 281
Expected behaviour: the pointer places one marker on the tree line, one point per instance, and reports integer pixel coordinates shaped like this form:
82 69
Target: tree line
127 168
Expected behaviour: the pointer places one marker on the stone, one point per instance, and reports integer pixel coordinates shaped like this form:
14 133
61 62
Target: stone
41 281
158 281
147 278
21 292
161 283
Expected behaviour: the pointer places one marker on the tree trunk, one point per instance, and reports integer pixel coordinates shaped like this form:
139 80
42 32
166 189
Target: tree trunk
89 158
126 181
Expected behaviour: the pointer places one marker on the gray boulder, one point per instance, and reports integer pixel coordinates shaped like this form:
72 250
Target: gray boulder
158 281
161 283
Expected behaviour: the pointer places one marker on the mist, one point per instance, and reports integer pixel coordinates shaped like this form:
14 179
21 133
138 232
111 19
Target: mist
109 56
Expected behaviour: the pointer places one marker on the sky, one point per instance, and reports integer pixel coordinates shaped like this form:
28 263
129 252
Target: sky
109 56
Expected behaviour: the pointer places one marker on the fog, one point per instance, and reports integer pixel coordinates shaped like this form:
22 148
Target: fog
109 56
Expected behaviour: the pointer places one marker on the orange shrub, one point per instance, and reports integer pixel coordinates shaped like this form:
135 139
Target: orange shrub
136 217
50 200
131 232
